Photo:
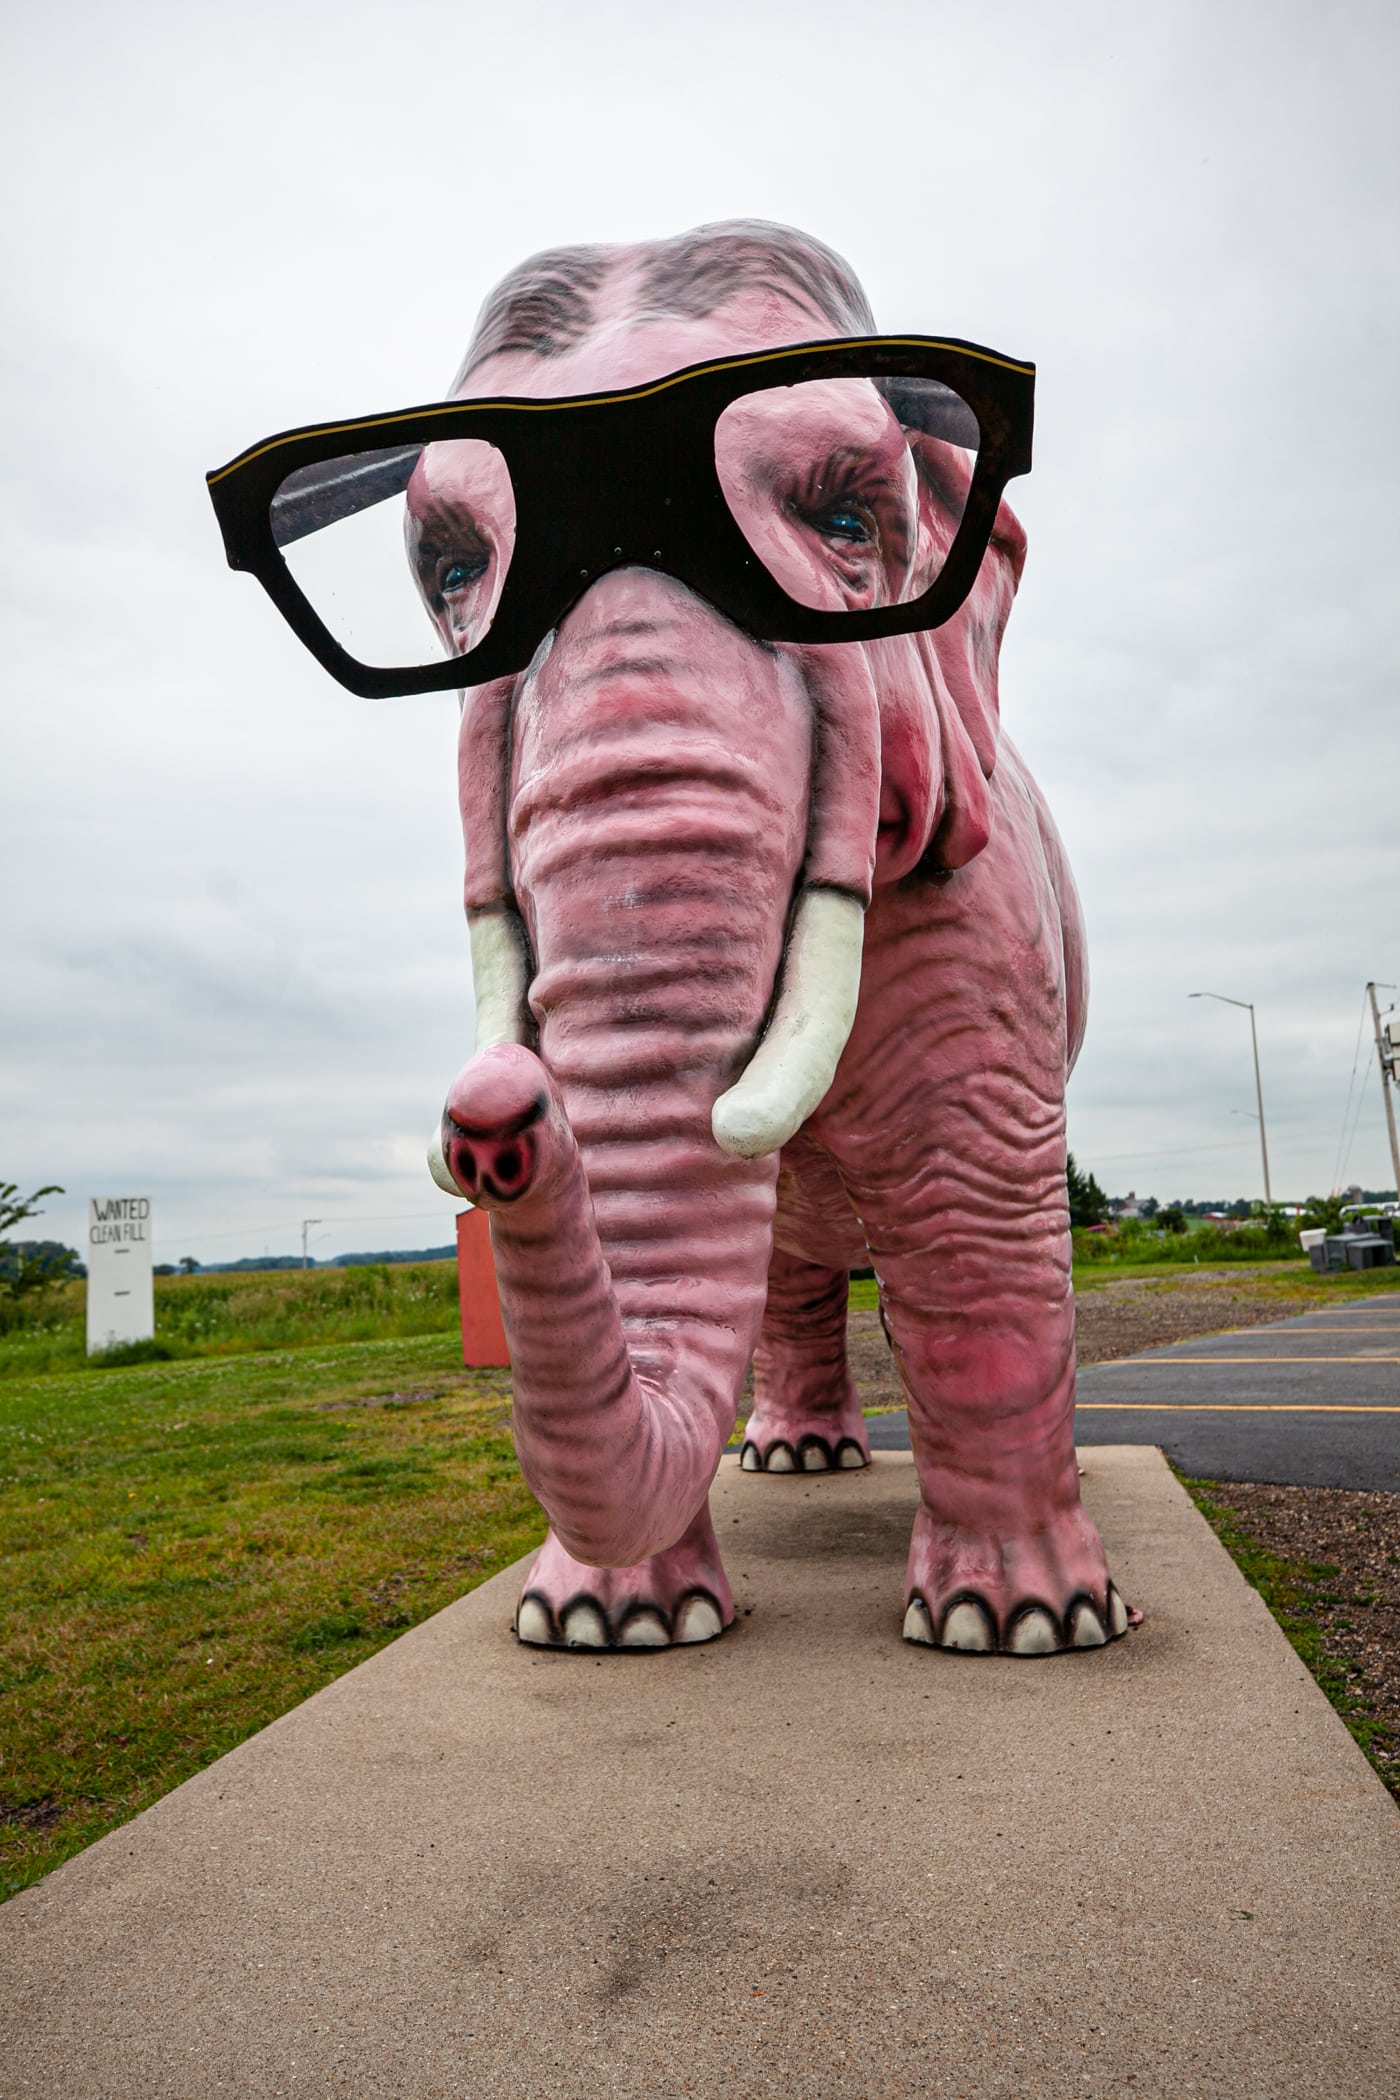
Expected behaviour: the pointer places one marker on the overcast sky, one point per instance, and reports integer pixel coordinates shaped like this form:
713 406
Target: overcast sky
233 967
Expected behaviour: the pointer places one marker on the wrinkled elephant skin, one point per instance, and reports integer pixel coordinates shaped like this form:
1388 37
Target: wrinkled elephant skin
780 972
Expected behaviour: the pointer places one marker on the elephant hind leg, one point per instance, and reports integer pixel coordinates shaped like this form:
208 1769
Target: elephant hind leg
806 1413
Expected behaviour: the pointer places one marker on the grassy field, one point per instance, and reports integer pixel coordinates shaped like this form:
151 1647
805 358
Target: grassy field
1295 1284
235 1313
192 1547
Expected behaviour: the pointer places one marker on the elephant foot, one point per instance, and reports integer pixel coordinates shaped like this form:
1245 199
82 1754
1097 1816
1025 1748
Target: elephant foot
674 1599
1038 1594
804 1440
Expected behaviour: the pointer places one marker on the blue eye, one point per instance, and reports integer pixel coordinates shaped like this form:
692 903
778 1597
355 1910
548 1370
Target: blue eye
456 577
844 525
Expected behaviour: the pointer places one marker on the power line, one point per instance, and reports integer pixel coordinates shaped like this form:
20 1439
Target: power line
238 1232
1345 1143
1103 1159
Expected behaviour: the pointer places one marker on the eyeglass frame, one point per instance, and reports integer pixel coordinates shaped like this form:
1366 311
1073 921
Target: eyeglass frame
667 490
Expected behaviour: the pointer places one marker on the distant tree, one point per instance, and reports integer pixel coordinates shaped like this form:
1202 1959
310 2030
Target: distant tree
188 1265
1172 1218
28 1265
1088 1204
39 1260
14 1208
1150 1206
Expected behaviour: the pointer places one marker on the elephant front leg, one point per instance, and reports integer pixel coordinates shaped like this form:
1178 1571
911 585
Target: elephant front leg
1004 1557
806 1413
674 1598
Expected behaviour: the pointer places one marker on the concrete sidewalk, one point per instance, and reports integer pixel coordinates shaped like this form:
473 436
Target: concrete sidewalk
809 1860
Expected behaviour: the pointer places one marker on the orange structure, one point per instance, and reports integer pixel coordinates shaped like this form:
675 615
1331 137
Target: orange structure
483 1336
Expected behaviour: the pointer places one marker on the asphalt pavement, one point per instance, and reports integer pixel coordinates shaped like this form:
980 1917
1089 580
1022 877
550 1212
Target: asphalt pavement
1307 1402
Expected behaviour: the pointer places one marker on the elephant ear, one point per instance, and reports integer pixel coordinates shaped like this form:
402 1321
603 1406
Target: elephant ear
940 717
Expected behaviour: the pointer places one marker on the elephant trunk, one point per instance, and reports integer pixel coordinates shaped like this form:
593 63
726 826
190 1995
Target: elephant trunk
662 824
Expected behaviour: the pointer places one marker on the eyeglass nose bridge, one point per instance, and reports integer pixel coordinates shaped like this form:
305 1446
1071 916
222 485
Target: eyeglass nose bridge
624 495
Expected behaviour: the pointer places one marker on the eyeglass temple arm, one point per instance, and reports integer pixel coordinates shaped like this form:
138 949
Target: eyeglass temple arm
332 489
929 406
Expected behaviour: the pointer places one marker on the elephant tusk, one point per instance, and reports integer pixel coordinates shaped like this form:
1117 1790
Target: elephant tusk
501 979
795 1063
438 1168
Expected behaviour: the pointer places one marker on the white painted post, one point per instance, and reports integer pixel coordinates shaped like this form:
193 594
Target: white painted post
120 1293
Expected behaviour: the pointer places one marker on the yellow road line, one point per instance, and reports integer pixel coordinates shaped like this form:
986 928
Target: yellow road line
1175 1361
1222 1407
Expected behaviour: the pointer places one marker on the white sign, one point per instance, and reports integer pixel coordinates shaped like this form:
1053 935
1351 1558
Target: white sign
120 1294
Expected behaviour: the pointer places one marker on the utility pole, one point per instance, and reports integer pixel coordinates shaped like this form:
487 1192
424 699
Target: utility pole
1258 1088
306 1225
1386 1053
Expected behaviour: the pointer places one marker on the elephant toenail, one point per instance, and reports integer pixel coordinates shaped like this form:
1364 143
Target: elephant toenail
1117 1612
969 1626
815 1454
849 1455
584 1626
918 1623
644 1627
533 1623
1085 1626
698 1620
1033 1632
751 1459
781 1459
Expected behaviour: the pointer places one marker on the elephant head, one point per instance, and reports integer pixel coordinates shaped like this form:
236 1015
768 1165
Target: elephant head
672 835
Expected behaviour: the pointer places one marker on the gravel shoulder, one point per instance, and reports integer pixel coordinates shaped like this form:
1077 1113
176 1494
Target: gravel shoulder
1327 1561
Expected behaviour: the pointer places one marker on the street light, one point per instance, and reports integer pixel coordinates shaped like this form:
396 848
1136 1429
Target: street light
1258 1089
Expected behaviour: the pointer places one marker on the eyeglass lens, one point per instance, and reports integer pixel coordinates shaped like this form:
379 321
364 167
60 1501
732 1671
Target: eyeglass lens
849 491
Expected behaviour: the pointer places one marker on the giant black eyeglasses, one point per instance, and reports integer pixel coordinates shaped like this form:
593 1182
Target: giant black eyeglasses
823 492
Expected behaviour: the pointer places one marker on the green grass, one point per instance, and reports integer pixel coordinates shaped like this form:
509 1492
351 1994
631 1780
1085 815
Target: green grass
193 1547
1293 1284
1135 1244
1295 1592
241 1311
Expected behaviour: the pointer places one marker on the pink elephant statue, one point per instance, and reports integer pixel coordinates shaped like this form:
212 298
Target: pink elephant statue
780 972
779 966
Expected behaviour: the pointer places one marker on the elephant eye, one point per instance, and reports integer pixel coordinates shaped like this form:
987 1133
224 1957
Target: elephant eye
844 525
458 574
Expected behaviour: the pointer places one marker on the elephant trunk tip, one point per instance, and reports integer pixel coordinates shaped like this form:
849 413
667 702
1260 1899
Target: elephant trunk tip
489 1147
